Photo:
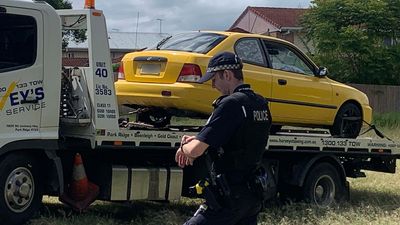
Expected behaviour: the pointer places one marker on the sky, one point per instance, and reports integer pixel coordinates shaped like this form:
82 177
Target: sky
178 15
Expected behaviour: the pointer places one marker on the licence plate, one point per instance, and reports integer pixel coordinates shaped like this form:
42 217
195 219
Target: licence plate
150 69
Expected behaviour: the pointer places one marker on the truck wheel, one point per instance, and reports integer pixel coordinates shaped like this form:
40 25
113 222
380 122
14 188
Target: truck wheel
323 185
155 117
20 188
348 121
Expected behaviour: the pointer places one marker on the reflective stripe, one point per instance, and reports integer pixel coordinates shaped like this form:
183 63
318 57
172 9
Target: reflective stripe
244 111
79 172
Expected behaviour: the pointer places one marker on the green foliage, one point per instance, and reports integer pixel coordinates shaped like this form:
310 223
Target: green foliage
387 120
358 40
115 67
74 35
60 4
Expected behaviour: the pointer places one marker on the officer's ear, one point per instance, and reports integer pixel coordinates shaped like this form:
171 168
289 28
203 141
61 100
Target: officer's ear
228 75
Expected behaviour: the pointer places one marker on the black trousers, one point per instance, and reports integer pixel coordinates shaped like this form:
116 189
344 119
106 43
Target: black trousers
244 210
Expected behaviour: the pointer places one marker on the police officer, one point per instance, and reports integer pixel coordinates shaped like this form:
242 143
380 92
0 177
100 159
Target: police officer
235 137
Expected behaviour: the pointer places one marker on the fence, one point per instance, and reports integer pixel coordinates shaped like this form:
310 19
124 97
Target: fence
382 98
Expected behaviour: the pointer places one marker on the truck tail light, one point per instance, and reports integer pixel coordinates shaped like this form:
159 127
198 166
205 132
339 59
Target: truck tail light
121 74
189 73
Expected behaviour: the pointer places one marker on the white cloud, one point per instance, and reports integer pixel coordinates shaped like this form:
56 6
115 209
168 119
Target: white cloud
179 15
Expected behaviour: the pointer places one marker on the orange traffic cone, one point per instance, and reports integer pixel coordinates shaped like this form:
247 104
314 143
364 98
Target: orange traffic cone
81 192
79 187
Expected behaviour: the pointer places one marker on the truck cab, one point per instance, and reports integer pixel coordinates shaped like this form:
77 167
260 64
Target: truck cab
29 72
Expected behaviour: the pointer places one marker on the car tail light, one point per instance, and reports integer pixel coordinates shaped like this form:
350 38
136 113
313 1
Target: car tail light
190 73
121 75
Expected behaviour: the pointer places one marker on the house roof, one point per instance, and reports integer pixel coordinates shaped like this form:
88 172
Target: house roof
81 62
127 40
238 29
279 17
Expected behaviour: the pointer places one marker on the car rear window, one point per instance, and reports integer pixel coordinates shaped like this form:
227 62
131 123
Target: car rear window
198 42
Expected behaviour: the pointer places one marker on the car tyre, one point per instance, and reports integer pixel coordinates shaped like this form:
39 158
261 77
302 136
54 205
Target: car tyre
348 122
20 188
155 117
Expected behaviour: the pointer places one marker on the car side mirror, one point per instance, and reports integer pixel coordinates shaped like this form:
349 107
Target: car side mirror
322 72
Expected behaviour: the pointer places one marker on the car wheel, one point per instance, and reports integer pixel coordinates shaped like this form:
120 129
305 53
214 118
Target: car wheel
20 188
155 117
348 122
323 186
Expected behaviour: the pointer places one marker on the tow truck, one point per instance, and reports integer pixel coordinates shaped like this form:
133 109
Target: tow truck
48 114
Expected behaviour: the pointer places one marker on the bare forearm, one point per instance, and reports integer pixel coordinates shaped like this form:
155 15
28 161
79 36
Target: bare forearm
194 148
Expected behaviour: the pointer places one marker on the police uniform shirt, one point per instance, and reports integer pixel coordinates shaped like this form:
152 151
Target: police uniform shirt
224 121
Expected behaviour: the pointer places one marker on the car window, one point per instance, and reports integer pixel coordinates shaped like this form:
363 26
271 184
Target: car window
198 42
250 51
286 59
17 41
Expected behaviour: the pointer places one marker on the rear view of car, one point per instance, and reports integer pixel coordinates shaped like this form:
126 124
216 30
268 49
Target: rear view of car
161 82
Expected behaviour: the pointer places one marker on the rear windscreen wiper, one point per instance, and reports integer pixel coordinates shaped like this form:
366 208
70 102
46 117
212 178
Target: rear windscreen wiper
162 42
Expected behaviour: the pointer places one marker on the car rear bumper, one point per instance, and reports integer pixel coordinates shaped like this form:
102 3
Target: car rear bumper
185 96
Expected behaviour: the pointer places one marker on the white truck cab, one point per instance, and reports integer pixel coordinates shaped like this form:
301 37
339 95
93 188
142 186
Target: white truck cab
29 71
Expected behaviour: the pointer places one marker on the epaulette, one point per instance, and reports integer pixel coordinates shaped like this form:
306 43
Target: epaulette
218 100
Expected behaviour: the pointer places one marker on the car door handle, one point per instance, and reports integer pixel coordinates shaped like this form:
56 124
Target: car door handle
282 82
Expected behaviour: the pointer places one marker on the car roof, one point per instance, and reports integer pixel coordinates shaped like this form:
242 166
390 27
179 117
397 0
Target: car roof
240 35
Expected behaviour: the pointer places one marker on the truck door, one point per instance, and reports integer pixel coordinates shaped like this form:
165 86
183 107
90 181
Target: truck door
22 96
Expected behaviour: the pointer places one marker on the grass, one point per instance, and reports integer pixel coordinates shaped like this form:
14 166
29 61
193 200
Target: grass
374 200
388 120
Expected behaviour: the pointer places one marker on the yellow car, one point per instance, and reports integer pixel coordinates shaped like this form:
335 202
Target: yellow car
161 82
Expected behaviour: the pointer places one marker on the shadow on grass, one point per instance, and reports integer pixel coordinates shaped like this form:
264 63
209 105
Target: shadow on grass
137 212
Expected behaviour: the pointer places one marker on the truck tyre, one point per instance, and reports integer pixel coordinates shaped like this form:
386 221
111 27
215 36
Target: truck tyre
20 188
323 186
348 121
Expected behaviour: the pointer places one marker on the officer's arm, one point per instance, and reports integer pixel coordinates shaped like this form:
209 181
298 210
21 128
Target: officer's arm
194 148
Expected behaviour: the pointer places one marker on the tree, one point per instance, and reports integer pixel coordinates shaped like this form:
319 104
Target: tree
357 39
60 4
68 35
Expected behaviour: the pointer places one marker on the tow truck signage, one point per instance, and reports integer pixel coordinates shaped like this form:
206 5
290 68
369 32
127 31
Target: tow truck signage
16 93
329 143
7 93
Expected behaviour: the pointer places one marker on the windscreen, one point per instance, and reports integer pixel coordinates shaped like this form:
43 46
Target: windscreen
198 42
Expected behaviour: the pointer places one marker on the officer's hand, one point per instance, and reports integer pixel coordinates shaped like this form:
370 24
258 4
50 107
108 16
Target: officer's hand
186 139
182 159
